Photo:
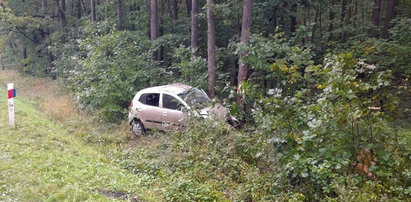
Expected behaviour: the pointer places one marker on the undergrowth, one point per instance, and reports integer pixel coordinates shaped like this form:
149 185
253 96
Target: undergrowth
273 160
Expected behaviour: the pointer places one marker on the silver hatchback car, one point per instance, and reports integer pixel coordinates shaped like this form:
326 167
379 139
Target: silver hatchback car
168 108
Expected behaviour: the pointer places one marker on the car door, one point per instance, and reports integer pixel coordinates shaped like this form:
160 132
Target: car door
173 116
149 112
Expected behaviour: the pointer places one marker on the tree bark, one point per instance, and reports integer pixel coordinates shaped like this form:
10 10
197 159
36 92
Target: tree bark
194 26
78 9
63 5
343 16
331 19
119 13
245 39
83 7
175 10
60 13
161 32
153 20
315 23
93 11
188 6
211 49
391 6
306 19
293 18
376 13
44 7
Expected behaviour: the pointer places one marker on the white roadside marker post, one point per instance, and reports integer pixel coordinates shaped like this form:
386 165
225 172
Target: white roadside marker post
11 93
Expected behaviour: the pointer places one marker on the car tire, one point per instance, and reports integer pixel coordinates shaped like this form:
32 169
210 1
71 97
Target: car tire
235 124
137 128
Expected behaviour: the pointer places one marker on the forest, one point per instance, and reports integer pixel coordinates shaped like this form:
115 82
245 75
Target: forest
322 89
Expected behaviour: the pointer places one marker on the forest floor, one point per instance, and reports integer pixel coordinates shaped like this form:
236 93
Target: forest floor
44 157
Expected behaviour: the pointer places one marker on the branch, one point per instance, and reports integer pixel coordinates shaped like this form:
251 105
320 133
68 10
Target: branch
19 31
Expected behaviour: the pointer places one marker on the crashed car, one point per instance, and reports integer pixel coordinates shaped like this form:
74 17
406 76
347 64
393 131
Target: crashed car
169 107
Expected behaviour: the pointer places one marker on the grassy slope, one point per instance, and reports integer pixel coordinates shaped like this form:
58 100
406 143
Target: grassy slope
39 159
75 159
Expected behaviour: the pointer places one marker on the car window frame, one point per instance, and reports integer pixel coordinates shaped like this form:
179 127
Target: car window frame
175 97
145 104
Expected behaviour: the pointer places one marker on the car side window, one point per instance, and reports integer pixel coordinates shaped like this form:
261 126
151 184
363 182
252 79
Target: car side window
170 102
152 99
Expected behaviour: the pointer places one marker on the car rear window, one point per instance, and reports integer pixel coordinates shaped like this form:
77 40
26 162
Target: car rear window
152 99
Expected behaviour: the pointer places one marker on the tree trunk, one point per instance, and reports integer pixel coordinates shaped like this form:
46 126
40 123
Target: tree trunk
93 11
320 24
211 49
293 18
83 7
245 39
391 6
119 13
376 13
161 32
188 7
44 7
78 9
343 16
194 26
306 20
153 20
175 10
60 12
331 21
63 5
315 23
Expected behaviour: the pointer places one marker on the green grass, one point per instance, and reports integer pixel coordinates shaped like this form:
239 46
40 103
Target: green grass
41 160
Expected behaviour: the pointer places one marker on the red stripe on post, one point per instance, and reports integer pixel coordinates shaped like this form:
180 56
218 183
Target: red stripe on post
10 94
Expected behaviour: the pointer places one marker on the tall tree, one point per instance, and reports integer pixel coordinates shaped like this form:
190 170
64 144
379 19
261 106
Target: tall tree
63 5
331 21
153 20
194 26
119 14
245 39
188 6
293 17
391 13
44 7
77 7
376 13
175 10
60 12
211 49
343 17
93 10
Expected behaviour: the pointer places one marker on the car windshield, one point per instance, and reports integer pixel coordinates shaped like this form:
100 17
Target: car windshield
195 98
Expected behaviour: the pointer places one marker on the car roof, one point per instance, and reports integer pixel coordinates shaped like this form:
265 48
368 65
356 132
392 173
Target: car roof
175 88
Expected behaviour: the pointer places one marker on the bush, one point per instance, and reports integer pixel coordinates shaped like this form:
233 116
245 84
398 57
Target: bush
112 69
319 133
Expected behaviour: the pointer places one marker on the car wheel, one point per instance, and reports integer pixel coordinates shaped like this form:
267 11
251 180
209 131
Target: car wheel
137 128
235 124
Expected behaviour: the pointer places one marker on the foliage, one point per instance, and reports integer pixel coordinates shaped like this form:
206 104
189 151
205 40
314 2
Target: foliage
190 68
310 110
116 67
318 136
390 54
